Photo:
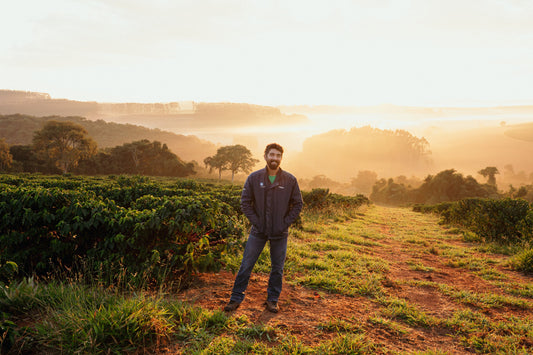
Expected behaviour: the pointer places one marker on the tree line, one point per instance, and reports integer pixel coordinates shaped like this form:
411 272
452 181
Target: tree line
18 129
447 185
65 147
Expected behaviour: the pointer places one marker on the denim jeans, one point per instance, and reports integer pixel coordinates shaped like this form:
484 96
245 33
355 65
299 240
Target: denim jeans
254 247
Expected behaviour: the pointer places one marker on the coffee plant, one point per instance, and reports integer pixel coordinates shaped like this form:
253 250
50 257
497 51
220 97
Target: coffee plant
129 222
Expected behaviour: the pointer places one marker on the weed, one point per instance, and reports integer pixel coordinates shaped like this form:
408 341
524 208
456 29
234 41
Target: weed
349 344
337 325
259 331
417 266
291 345
390 324
401 309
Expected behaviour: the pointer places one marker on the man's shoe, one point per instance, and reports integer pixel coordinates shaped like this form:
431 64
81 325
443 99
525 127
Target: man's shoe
272 306
231 306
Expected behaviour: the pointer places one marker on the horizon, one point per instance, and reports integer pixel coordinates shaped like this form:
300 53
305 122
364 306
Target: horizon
311 106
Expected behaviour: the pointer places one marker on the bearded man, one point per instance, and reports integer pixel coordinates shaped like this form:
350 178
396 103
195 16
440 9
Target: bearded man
271 200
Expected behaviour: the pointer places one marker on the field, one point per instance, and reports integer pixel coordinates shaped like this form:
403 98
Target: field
366 280
387 280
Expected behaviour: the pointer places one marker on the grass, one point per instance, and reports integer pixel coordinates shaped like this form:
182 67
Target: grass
381 255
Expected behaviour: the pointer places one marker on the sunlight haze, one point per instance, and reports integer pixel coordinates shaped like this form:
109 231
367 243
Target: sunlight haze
399 88
423 53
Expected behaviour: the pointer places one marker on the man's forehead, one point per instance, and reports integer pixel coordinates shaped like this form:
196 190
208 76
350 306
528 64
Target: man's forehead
274 151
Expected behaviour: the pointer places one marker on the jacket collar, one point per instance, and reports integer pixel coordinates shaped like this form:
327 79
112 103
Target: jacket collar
265 176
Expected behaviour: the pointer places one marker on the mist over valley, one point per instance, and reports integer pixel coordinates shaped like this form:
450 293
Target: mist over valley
336 142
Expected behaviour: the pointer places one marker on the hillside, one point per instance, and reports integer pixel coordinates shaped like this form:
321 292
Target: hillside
178 117
19 129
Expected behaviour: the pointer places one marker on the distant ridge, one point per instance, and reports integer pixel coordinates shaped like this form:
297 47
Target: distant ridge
175 116
406 110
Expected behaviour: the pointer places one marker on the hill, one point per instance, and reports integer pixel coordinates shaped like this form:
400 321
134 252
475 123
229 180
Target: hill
19 129
178 117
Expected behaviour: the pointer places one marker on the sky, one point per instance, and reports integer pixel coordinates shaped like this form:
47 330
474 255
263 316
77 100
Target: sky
286 52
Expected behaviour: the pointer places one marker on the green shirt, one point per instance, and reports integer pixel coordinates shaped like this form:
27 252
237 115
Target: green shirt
271 178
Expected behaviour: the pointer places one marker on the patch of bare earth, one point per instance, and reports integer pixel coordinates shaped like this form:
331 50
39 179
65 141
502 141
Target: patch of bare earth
302 311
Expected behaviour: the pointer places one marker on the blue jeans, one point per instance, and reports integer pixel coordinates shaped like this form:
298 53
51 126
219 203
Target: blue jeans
254 247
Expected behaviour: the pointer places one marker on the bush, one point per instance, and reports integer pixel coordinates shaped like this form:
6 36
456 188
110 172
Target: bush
320 198
316 199
505 221
523 261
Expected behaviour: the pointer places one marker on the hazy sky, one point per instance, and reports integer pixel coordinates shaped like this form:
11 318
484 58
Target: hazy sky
348 52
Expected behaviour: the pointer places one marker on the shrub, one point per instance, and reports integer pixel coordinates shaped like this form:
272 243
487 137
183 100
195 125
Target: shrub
523 261
505 221
320 198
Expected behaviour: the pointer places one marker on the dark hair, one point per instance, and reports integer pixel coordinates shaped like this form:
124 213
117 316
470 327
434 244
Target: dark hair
273 146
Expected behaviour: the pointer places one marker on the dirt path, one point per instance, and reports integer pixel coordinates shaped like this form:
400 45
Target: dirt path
302 310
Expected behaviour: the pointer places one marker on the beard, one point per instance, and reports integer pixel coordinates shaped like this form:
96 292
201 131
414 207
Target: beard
273 164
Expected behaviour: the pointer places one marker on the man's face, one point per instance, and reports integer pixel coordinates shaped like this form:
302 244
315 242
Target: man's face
273 158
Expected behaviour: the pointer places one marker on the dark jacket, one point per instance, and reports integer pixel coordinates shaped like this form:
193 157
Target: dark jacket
271 208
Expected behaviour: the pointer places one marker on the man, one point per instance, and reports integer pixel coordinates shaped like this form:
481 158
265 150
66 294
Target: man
272 201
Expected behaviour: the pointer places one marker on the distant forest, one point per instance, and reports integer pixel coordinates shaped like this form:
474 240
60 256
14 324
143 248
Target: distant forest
19 129
342 153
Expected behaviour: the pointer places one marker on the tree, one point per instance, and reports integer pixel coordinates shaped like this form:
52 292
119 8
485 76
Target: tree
6 159
26 160
364 181
216 162
239 158
490 173
65 143
231 157
145 158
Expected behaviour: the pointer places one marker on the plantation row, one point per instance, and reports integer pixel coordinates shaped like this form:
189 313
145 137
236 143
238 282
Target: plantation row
106 226
124 224
504 221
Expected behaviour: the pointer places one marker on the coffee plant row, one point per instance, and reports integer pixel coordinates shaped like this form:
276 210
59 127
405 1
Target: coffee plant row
504 221
132 223
319 199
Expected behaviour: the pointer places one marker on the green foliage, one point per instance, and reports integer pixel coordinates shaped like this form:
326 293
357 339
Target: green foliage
8 333
389 192
139 157
523 261
129 223
6 159
64 143
234 158
7 271
505 221
349 344
320 199
447 185
120 325
19 129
